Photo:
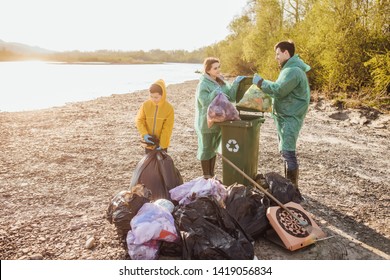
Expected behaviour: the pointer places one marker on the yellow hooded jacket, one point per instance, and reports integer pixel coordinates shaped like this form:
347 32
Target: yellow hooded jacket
157 119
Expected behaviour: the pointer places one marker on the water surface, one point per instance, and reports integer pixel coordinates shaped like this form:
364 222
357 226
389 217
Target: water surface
31 85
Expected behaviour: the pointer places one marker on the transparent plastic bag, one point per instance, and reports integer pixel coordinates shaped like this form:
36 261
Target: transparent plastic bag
255 98
220 110
199 187
153 222
145 251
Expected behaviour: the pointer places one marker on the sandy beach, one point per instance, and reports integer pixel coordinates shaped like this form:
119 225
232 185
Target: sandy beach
59 168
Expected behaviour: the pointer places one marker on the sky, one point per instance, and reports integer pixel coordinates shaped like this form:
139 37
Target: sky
126 25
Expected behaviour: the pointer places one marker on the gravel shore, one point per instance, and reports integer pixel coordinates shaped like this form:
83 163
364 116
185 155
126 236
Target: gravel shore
59 168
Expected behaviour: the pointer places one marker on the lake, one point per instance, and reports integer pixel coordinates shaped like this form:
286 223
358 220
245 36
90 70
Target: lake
31 85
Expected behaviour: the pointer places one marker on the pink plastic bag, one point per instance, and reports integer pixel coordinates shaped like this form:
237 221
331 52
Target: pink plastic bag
220 110
199 187
153 222
144 251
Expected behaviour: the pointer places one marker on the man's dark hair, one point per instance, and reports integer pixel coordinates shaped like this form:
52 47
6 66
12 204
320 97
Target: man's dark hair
286 45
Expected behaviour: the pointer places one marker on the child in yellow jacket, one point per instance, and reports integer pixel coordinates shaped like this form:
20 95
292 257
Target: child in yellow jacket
155 118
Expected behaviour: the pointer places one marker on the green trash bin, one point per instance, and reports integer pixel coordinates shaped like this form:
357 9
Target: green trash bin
240 144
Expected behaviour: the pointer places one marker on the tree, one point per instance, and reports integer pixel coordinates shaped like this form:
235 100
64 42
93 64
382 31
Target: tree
266 31
231 50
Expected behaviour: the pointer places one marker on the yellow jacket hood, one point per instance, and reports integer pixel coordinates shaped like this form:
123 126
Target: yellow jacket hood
161 83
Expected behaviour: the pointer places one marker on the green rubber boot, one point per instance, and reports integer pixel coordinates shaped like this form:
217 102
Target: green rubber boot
292 175
206 168
212 166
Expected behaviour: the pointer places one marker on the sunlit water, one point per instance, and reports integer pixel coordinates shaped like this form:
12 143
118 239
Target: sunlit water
39 85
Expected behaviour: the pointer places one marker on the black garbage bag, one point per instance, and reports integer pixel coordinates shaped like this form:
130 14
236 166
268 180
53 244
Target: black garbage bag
282 189
157 172
172 249
208 232
123 207
248 206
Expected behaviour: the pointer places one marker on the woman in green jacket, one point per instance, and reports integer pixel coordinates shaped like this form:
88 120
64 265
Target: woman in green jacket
291 97
210 84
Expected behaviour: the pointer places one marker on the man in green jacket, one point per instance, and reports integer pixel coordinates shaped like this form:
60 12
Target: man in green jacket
291 97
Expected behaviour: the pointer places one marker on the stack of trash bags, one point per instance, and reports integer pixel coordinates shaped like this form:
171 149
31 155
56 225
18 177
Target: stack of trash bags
198 219
123 207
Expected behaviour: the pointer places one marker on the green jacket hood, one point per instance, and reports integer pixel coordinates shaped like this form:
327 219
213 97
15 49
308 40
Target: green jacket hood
296 61
205 78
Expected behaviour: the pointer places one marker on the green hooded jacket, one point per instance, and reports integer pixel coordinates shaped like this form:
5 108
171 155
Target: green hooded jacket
291 96
206 91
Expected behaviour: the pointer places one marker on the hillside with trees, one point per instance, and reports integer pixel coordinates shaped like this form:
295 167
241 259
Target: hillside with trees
346 42
8 53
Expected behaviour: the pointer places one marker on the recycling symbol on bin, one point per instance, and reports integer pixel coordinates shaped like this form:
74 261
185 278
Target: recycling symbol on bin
232 146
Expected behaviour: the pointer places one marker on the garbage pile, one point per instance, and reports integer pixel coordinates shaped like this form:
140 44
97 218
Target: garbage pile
123 207
199 219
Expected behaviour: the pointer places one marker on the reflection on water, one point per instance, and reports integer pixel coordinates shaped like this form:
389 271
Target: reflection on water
36 85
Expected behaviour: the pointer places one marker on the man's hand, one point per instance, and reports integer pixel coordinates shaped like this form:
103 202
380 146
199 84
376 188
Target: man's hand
256 79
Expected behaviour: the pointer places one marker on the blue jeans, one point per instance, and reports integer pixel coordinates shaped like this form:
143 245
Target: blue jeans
290 159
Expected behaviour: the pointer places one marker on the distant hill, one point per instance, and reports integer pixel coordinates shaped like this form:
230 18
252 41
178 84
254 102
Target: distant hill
12 51
23 49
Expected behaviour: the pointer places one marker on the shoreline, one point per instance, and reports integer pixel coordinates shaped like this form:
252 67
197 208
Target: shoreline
88 100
